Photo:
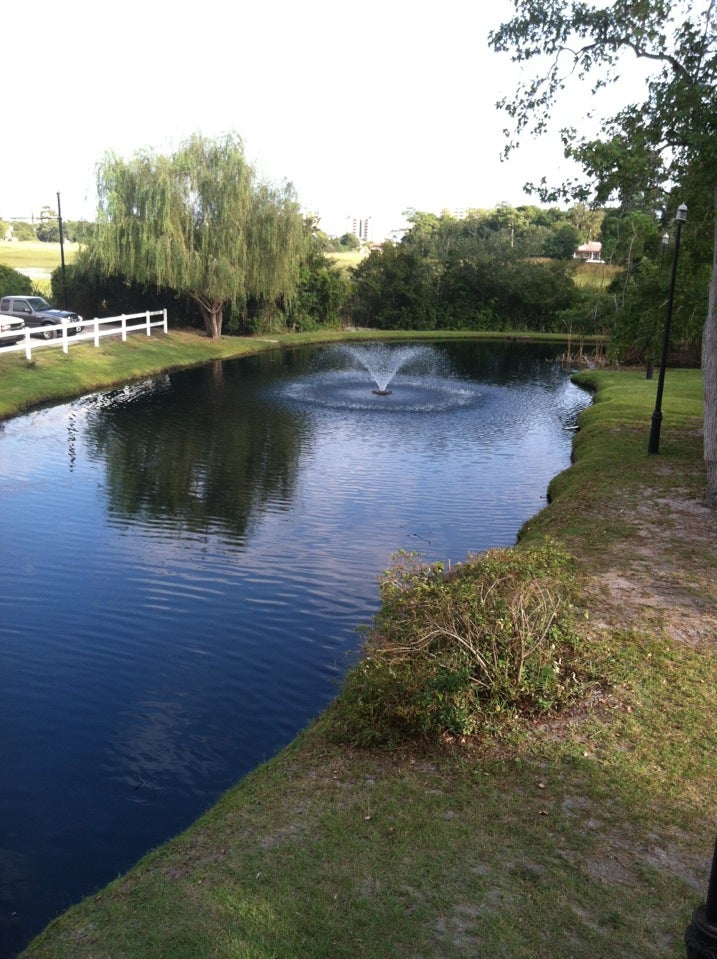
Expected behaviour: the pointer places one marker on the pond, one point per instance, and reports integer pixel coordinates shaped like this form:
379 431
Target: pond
185 562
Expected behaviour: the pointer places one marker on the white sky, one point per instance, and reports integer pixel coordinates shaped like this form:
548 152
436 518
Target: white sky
368 108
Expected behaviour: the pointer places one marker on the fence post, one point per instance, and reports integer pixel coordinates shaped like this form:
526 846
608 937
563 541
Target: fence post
97 331
28 348
124 328
147 321
164 311
65 345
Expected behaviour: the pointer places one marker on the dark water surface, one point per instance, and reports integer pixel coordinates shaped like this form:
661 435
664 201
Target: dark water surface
185 562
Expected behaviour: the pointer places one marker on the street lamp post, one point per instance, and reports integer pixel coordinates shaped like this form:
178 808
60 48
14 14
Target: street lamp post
653 445
701 934
62 254
664 243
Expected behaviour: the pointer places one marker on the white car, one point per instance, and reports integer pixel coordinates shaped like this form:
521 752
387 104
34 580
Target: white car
11 330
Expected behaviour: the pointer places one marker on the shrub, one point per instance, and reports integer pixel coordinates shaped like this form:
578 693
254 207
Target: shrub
13 283
93 293
448 652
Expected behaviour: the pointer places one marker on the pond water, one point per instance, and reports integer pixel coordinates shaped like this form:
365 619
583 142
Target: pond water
185 562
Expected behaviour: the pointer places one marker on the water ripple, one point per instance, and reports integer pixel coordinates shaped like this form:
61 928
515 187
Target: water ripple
190 559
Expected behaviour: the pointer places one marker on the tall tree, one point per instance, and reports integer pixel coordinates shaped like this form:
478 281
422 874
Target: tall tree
667 142
201 223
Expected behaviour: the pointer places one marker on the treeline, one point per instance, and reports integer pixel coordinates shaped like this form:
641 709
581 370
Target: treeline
47 230
501 269
202 232
515 269
320 297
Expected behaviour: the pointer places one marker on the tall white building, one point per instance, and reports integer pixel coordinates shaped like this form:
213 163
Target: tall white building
362 228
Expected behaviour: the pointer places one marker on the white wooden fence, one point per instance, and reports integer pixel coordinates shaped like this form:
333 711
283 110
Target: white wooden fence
91 330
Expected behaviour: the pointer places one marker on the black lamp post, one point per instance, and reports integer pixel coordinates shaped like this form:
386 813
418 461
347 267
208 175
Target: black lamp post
664 243
653 445
62 254
701 934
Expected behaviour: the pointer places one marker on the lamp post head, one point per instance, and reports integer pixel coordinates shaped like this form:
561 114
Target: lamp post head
681 215
665 239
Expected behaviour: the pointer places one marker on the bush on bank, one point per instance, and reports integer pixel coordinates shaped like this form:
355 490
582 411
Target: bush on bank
449 652
12 282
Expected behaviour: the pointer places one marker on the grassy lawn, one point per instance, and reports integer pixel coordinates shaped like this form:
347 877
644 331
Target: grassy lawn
587 834
31 254
348 258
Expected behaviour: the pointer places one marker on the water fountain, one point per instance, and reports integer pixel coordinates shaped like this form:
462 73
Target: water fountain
407 379
380 363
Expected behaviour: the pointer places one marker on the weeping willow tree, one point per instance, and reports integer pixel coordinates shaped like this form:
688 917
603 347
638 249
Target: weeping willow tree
199 222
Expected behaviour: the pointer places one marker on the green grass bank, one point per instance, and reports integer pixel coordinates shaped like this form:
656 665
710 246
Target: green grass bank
587 834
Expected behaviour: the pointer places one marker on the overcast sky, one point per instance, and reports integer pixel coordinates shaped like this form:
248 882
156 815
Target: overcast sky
368 108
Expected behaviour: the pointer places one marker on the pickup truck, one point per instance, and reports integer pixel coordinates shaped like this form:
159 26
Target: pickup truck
37 312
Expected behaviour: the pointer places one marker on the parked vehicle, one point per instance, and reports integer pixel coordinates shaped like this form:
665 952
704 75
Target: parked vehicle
35 311
11 330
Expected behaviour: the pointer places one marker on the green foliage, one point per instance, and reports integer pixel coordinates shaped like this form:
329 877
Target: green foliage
23 231
11 281
201 223
501 269
92 293
319 299
640 299
349 241
646 144
473 273
49 231
395 288
73 231
448 653
562 242
629 236
78 231
321 294
650 156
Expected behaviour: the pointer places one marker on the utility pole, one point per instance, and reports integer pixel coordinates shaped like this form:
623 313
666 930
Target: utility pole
62 255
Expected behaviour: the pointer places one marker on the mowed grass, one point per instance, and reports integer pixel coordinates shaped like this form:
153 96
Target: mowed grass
34 255
587 837
348 259
610 452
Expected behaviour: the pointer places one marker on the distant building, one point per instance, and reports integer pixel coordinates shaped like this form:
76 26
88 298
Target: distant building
363 229
589 252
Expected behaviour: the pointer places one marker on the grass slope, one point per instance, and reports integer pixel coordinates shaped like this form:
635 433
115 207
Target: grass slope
31 254
586 836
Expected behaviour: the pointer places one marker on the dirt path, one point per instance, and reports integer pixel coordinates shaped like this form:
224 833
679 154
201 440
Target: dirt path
665 571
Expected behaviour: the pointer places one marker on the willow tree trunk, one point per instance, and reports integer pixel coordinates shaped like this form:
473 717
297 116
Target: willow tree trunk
709 372
212 315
